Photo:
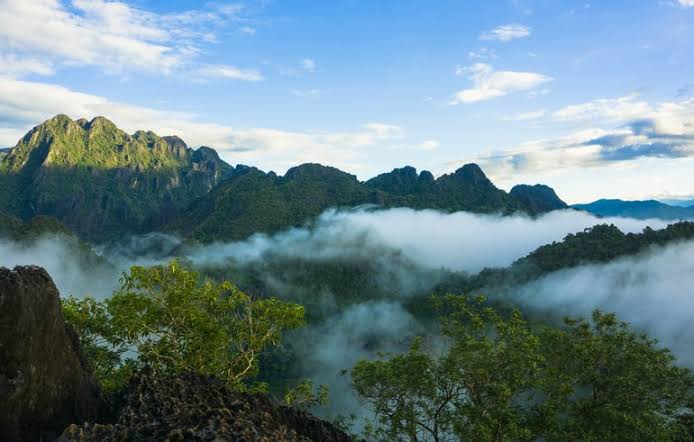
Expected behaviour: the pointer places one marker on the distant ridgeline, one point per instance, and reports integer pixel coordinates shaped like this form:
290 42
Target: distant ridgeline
599 244
101 182
637 209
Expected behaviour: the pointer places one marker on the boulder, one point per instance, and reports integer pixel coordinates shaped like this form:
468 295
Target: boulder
45 383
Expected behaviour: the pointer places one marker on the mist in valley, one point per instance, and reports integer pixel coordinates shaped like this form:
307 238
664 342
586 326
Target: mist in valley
398 254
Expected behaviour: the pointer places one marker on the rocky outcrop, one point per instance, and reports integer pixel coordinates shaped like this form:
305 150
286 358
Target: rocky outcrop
45 384
192 407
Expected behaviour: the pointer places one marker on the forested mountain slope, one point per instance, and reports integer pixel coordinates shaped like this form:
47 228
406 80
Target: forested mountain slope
100 181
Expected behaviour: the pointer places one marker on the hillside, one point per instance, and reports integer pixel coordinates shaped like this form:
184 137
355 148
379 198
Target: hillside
100 181
599 244
253 201
636 209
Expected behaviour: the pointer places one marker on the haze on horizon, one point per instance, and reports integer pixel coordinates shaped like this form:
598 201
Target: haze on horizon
593 99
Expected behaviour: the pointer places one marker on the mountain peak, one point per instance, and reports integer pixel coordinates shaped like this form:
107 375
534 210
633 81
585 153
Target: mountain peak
401 181
315 170
102 122
472 173
539 198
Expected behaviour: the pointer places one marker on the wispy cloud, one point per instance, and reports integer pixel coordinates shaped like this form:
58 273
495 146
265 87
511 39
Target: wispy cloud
231 72
482 54
307 93
15 66
428 145
611 109
686 3
506 33
109 34
489 83
531 115
308 65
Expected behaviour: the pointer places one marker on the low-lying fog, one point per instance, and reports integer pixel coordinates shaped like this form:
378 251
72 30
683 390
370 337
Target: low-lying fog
653 290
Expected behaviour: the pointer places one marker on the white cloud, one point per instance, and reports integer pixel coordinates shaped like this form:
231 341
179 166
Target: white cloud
488 83
248 30
482 54
428 145
24 104
634 130
686 3
621 108
109 34
231 72
14 66
531 115
308 65
506 33
305 93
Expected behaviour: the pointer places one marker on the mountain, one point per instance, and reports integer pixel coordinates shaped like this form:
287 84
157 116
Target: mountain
100 181
253 201
539 198
636 209
468 188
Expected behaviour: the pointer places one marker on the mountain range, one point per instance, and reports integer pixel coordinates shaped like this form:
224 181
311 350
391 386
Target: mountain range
648 209
102 182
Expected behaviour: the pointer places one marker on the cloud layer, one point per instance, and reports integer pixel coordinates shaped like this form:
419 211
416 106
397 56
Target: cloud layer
650 291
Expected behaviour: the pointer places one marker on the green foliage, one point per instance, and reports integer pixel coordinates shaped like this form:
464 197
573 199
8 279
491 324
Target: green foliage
167 319
499 380
304 396
467 189
99 341
260 202
611 383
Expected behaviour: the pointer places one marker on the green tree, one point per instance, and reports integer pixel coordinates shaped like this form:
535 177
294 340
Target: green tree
497 379
605 382
168 319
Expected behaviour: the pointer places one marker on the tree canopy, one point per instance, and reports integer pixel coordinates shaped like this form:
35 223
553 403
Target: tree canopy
497 379
167 319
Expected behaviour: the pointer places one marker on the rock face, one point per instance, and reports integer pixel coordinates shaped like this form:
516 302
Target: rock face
191 407
45 384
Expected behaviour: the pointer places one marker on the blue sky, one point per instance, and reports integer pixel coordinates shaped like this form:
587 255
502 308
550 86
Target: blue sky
594 98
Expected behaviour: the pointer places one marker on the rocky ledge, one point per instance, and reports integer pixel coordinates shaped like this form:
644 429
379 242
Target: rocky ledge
200 408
